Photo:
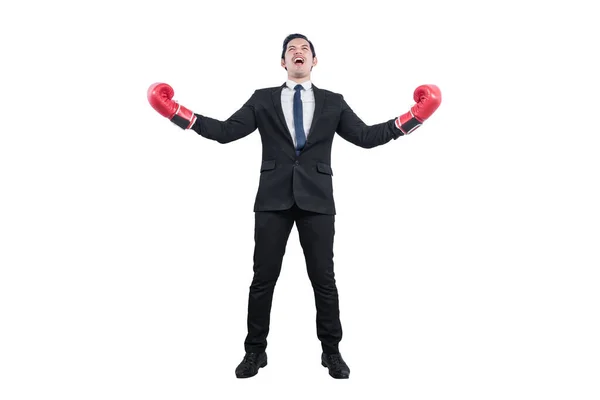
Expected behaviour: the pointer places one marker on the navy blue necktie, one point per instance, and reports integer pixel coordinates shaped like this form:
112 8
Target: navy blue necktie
299 120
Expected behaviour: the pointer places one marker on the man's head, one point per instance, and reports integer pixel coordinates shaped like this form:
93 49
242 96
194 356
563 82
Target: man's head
298 57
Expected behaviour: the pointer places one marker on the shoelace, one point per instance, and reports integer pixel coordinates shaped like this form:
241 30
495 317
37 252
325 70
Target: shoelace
250 358
336 360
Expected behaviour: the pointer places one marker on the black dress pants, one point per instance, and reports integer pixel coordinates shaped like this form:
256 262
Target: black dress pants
271 233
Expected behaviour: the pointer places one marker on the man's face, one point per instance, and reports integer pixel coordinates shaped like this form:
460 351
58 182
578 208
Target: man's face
298 59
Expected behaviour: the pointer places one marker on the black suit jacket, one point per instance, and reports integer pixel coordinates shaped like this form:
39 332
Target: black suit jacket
285 178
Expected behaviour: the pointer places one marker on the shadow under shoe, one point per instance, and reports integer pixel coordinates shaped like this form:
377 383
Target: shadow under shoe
250 364
338 368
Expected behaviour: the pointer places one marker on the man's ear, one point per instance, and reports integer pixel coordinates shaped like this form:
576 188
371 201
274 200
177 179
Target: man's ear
315 61
283 64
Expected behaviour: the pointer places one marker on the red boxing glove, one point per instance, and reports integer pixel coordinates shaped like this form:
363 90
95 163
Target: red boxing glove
160 97
428 98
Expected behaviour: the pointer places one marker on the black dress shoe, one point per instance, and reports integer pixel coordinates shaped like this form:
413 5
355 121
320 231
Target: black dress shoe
336 364
250 364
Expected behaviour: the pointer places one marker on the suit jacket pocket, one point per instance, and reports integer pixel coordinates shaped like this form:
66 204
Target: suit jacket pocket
267 165
324 168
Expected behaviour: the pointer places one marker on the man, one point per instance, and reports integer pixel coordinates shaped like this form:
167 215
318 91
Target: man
297 122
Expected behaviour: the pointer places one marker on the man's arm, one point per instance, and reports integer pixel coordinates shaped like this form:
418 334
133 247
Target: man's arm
354 130
240 124
351 128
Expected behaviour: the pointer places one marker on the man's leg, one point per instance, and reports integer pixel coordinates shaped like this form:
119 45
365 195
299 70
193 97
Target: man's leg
271 233
316 232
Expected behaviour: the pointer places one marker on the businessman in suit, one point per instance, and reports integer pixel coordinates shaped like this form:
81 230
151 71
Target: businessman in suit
297 122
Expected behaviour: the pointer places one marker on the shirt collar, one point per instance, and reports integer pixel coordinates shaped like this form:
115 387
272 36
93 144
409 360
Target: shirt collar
291 84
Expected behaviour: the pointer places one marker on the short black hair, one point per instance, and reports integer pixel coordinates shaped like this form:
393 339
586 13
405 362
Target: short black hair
296 36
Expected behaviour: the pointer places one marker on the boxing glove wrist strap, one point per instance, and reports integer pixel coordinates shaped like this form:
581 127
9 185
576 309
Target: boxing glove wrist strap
407 123
183 117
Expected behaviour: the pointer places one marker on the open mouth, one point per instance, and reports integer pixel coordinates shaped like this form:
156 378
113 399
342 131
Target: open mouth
299 61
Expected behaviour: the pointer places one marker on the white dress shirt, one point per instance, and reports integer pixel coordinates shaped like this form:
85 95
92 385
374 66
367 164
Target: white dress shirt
308 106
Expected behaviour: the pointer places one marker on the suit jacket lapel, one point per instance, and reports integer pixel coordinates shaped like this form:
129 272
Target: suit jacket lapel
276 97
319 100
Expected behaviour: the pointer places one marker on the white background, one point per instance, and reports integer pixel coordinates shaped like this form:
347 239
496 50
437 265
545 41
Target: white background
466 254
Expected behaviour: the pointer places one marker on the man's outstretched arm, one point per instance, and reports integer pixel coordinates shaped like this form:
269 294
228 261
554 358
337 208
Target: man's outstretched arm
240 124
354 130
